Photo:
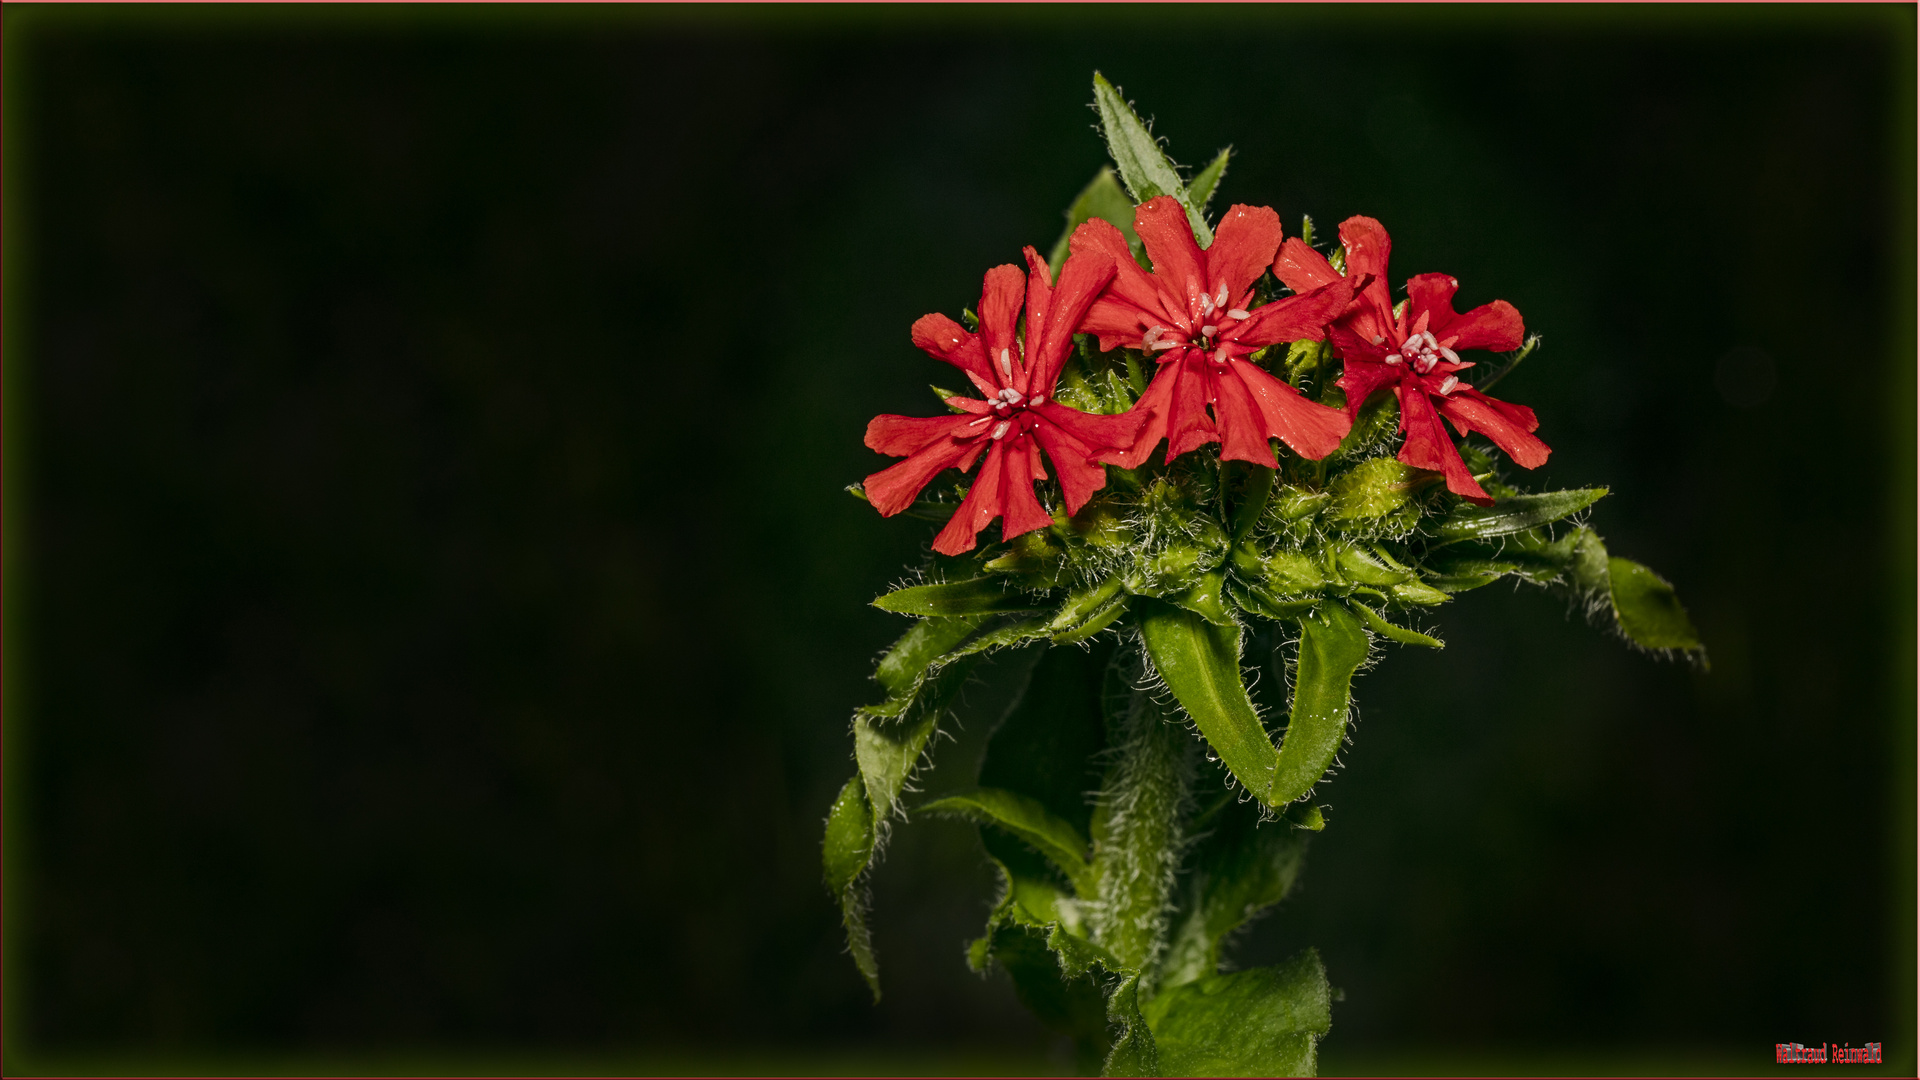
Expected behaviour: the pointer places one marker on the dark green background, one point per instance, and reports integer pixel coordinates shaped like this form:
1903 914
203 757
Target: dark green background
433 613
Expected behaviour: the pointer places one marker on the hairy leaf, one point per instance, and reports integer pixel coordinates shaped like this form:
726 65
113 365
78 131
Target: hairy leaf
1134 1052
1101 198
1374 622
1648 609
1201 188
1470 522
888 750
1144 168
1074 1006
1262 1022
1200 663
1033 823
846 852
978 596
1332 648
1206 599
902 667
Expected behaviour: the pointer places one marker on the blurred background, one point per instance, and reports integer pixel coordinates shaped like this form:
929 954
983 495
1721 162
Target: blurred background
433 613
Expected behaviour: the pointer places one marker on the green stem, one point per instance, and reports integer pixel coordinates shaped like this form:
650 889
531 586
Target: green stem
1139 818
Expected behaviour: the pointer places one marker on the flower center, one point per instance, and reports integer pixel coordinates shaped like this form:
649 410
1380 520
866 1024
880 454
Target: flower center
1422 352
1008 405
1213 317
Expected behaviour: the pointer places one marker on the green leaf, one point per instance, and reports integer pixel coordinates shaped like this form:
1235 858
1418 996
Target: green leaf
1332 648
847 850
1201 188
1206 599
1239 866
1082 604
1200 663
978 596
1134 1051
1262 1022
1144 168
1253 502
1470 522
1071 1005
1101 198
1025 818
1648 610
902 666
887 750
1374 622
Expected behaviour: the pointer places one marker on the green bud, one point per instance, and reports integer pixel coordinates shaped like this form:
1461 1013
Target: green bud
1372 489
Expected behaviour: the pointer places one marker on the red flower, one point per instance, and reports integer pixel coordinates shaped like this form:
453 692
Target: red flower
1191 315
1417 355
1018 419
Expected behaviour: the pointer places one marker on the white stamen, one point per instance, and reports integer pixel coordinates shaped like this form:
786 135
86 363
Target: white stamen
1160 346
1002 429
1393 358
1447 384
1378 338
1209 331
1010 395
1238 313
1432 343
980 421
1038 399
1220 355
1153 335
1220 301
1006 363
1206 304
1452 357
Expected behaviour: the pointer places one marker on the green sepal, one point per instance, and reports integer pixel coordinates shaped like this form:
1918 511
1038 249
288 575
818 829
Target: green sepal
977 596
1207 600
1205 182
1083 604
1200 663
846 851
943 394
1332 647
1255 600
1649 611
1374 488
1098 621
1061 843
1144 168
1101 198
1374 622
1239 867
1517 514
1253 502
1261 1022
903 666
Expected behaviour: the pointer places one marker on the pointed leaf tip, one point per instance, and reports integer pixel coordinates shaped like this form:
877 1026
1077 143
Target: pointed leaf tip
1144 167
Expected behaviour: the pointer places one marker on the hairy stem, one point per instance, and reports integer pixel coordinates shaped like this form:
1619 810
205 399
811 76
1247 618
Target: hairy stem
1139 820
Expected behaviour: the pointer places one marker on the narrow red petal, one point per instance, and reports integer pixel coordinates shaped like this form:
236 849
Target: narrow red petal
1177 263
903 435
1000 297
1303 317
1099 432
1301 268
1238 420
1080 476
1510 426
1021 510
1496 327
944 339
1098 238
979 508
893 489
1428 447
1310 429
1190 428
1368 246
1039 292
1117 322
1156 405
1080 283
1243 247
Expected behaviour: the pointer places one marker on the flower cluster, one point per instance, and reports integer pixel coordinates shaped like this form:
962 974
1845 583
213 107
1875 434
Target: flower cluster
1197 317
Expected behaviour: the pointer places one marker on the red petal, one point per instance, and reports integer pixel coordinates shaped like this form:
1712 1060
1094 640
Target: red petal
1117 322
1296 318
1080 282
1428 447
1156 405
893 489
1362 378
944 339
1312 430
1510 426
1496 326
1301 268
1098 238
1039 291
903 435
1242 429
979 508
1189 427
1243 246
1096 431
1163 227
1367 247
1079 475
1000 297
1021 509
